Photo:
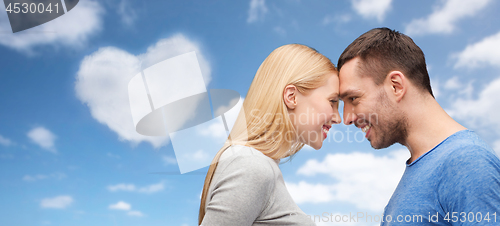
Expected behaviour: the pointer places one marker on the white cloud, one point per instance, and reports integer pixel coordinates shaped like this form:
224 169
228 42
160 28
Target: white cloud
216 130
200 155
43 137
152 188
37 177
173 46
194 155
113 156
121 205
5 142
257 10
73 29
6 156
135 213
363 179
230 111
482 53
309 148
444 18
372 9
314 193
102 83
122 187
480 113
435 84
149 189
59 202
496 147
344 222
453 83
344 219
127 13
279 30
341 18
167 160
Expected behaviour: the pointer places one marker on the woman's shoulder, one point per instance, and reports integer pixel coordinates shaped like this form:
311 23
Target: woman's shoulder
247 160
245 152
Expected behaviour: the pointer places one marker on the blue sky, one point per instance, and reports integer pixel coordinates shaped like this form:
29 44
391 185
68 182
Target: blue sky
69 154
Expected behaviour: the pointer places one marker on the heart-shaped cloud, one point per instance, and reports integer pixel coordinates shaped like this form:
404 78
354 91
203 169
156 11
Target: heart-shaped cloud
103 77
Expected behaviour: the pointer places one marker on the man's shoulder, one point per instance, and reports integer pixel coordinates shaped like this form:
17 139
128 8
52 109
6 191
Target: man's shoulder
465 160
466 146
463 146
469 162
470 176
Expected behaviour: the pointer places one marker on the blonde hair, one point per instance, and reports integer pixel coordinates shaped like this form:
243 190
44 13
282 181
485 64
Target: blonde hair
263 122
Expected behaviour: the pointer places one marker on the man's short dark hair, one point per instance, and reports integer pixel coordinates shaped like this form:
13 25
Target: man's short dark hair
383 50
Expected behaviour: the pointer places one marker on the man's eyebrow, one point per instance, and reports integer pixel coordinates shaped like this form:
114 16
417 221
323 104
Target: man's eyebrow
348 92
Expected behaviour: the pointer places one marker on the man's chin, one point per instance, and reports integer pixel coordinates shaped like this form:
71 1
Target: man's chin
377 146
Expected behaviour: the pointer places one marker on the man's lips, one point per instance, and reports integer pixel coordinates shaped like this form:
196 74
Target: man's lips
368 132
366 128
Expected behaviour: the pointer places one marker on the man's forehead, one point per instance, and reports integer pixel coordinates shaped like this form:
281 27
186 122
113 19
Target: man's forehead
349 78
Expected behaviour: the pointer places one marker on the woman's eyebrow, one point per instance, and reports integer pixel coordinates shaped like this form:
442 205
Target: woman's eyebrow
333 95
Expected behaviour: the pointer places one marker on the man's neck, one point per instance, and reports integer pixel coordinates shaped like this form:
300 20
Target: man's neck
428 125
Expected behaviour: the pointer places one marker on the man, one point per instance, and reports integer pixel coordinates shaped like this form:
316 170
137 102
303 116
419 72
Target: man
452 176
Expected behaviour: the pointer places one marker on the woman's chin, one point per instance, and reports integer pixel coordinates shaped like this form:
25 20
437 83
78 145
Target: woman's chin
316 146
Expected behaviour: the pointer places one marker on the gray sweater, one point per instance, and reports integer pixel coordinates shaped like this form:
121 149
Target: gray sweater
248 189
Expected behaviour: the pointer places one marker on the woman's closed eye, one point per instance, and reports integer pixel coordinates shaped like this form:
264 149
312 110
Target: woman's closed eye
335 103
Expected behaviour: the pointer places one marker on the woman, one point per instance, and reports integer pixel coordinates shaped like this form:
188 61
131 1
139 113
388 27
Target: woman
293 100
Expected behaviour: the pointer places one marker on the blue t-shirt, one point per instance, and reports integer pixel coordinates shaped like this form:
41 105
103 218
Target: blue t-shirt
455 183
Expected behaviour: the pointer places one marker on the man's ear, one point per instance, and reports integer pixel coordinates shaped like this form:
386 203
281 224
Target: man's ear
398 84
290 96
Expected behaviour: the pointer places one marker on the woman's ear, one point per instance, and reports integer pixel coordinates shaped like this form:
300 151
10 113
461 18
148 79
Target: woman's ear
290 96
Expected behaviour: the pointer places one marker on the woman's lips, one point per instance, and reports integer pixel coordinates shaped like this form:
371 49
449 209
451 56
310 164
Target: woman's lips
325 131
